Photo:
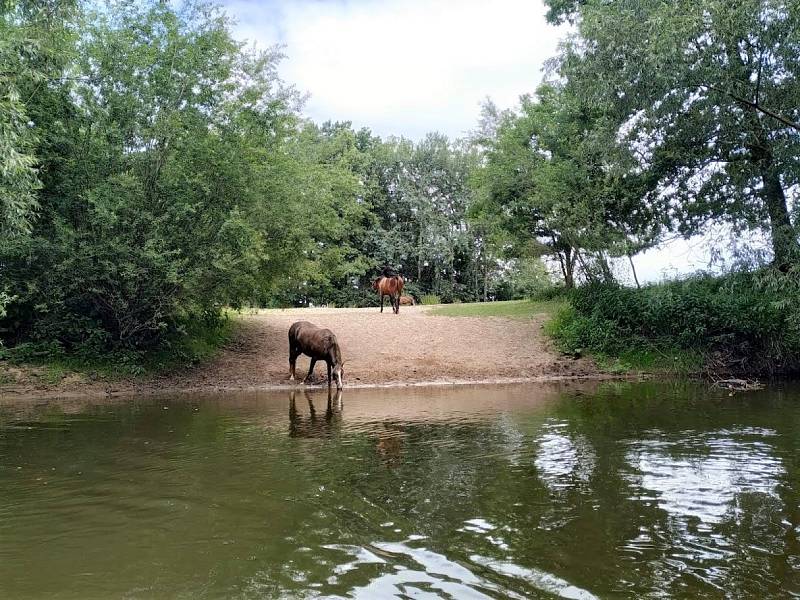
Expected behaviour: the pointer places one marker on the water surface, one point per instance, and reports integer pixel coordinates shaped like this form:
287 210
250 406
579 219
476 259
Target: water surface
524 491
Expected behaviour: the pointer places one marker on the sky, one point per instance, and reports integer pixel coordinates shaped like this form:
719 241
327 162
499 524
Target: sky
409 67
404 67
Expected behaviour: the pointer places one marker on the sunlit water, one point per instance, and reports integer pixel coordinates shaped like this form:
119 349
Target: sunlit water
525 491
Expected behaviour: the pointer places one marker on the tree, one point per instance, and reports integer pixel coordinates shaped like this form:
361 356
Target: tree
32 52
709 90
562 185
168 182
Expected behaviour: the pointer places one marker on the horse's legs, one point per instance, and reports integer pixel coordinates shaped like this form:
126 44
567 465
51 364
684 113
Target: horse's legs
311 370
311 410
293 354
381 302
327 362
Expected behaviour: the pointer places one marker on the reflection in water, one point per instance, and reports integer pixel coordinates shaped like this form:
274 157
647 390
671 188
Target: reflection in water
541 580
390 445
714 487
704 475
313 425
563 461
474 492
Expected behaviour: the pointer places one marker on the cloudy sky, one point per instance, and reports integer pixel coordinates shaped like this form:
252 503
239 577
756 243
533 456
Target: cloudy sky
404 67
407 67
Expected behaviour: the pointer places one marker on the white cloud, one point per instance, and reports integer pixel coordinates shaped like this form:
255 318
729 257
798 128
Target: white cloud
404 67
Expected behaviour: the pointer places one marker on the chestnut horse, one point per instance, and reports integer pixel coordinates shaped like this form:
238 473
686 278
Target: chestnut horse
392 287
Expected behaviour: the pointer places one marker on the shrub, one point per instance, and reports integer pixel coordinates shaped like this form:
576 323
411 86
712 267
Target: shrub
430 299
741 322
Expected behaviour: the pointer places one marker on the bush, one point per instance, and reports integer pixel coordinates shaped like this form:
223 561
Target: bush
430 299
748 322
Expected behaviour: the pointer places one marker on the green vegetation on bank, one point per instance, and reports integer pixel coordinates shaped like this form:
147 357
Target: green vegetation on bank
196 344
514 309
741 323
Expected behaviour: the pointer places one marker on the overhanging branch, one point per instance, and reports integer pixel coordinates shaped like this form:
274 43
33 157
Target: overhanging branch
754 105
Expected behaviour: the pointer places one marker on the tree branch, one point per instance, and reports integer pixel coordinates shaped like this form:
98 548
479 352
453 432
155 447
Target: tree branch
754 105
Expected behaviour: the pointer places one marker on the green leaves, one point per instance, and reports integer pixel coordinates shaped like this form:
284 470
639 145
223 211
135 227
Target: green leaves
556 180
704 92
167 165
18 174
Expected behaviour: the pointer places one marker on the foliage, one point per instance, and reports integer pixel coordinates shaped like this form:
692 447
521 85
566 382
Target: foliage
197 342
742 322
154 170
167 191
32 40
705 92
558 183
524 278
401 204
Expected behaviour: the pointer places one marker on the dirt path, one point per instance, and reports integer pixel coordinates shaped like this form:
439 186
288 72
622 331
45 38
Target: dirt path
378 348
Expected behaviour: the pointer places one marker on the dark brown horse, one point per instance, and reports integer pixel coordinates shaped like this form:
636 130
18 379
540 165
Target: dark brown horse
392 287
320 344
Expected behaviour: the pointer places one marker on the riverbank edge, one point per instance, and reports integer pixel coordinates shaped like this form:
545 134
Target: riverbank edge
151 390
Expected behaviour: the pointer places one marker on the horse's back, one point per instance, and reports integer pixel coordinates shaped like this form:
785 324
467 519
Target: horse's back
311 337
298 326
391 285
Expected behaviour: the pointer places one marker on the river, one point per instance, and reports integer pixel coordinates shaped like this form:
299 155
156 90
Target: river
623 490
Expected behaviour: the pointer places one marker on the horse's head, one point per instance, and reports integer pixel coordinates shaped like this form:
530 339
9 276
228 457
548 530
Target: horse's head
338 374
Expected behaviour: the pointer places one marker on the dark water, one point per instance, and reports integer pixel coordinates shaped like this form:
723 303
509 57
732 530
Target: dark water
623 491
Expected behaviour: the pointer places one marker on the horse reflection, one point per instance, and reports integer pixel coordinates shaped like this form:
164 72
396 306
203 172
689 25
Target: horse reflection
389 445
314 425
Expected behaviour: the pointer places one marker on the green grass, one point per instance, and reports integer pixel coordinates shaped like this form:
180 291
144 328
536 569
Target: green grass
514 309
674 361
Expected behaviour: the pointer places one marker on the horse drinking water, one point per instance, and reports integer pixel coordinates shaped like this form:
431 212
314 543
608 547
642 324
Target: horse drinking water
320 344
389 285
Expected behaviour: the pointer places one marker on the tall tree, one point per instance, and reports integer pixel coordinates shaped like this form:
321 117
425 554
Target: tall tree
709 89
34 44
556 176
168 182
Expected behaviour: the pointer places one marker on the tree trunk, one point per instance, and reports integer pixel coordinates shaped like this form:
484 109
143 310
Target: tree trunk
569 267
784 238
633 269
476 273
605 268
586 270
566 259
